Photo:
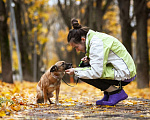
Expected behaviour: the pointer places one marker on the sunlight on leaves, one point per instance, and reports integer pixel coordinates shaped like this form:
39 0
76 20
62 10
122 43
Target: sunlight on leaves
20 98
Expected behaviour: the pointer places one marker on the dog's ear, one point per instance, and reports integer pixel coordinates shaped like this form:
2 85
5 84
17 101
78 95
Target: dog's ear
53 68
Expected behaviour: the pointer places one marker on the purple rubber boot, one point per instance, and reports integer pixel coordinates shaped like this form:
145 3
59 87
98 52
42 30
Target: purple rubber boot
105 98
115 98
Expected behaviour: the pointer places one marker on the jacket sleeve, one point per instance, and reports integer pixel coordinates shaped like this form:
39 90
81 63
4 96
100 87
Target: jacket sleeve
96 55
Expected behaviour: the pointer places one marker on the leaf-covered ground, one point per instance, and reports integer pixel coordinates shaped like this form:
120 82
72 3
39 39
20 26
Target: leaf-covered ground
17 101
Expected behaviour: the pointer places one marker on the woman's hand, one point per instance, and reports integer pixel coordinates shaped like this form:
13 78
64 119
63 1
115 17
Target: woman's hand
85 59
70 71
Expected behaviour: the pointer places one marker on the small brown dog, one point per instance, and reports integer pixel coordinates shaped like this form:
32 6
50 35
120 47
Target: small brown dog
51 81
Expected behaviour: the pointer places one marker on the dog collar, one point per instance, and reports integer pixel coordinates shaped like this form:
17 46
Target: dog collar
56 77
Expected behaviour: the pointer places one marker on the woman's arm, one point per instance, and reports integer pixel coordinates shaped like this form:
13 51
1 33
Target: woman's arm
96 56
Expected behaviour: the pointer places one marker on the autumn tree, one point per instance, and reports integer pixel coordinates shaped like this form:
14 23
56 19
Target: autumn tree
140 11
89 12
72 7
125 20
95 11
32 17
4 45
23 41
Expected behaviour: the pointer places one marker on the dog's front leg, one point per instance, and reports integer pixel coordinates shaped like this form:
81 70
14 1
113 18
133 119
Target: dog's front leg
45 95
57 95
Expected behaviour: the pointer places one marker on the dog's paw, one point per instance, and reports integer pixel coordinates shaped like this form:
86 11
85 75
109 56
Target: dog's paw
40 101
52 102
57 103
35 102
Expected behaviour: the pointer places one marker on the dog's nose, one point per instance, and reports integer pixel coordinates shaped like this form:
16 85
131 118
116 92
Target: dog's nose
69 65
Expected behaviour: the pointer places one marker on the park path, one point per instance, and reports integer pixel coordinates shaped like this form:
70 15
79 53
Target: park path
76 103
130 109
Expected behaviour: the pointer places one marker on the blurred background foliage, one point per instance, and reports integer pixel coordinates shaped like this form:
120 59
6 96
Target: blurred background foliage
43 25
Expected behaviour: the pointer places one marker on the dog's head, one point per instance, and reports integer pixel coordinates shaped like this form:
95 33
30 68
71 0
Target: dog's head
60 66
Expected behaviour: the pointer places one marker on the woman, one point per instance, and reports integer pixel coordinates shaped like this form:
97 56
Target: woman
110 63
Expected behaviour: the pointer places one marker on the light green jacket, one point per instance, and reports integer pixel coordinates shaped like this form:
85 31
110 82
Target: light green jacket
109 59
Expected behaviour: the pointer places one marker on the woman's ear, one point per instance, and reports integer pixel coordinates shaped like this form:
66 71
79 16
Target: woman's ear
83 39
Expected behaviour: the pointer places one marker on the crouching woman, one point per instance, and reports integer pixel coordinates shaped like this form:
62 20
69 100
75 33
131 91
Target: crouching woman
110 65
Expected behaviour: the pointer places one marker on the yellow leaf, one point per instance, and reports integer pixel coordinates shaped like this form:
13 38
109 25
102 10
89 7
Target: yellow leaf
94 4
44 30
141 115
15 107
2 113
34 29
62 48
69 48
148 4
77 117
4 1
8 96
82 10
7 110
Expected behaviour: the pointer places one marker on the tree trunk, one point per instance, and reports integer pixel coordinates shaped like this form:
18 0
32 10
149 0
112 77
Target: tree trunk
99 16
126 29
142 45
26 65
5 51
90 14
65 14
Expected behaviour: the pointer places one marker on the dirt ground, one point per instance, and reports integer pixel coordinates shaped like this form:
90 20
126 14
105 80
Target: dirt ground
90 111
79 103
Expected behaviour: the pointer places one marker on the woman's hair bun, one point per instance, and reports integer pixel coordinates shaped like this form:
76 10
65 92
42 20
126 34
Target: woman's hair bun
75 24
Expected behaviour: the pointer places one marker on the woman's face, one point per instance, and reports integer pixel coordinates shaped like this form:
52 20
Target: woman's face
80 46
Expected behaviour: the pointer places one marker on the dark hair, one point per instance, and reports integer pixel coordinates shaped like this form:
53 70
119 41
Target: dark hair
77 32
